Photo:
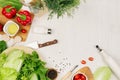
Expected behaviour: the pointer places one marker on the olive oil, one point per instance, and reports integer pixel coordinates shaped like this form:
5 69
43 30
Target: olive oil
12 29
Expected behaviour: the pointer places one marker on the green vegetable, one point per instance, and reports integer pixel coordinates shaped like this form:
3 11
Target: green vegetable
17 65
15 3
14 60
102 73
2 59
34 76
3 46
8 74
32 64
60 7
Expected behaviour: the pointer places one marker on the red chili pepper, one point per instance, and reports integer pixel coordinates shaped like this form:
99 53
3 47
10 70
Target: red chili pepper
24 17
9 11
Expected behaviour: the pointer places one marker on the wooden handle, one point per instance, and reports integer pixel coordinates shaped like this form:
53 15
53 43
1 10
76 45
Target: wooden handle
67 75
48 43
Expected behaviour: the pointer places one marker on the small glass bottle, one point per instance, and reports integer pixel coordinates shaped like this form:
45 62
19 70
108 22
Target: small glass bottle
42 30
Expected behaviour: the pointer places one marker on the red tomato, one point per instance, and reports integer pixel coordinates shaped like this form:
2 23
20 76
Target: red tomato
91 59
1 27
79 77
23 31
83 62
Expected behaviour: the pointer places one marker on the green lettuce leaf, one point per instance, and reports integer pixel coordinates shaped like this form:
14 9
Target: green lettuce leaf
2 59
8 74
102 73
14 60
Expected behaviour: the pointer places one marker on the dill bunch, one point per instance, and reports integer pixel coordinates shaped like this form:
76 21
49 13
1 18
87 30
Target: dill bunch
61 7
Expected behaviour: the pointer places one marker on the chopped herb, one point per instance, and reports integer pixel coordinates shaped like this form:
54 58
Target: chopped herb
3 46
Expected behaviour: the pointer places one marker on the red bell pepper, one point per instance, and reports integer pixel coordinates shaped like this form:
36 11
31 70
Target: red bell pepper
24 17
9 11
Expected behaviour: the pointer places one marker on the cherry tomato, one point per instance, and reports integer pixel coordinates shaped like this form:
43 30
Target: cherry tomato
1 27
23 30
83 62
91 59
79 77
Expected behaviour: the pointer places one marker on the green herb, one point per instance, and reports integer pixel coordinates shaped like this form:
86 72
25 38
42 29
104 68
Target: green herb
3 46
60 7
15 3
32 65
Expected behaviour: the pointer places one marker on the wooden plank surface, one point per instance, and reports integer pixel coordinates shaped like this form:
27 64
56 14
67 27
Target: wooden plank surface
3 20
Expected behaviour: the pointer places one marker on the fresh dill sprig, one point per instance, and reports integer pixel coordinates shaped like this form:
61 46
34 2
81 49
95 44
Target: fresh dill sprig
61 7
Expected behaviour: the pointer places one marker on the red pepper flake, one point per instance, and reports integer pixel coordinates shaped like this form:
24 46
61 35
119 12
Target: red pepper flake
83 62
91 59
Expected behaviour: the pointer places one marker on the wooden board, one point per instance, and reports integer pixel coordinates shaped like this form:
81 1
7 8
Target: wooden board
3 20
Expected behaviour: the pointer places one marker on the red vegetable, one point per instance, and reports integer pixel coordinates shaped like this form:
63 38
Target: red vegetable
1 27
83 62
23 31
91 59
9 11
79 77
24 17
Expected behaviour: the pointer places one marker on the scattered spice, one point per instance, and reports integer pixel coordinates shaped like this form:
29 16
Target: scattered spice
53 60
62 65
83 62
91 59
